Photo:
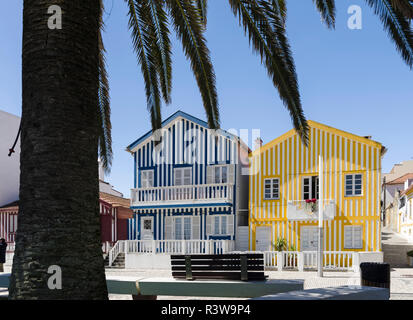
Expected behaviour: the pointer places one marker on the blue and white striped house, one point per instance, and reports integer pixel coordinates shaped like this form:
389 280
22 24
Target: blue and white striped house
191 183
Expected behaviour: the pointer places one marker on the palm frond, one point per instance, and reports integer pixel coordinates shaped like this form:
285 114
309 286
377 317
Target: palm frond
264 25
327 9
203 9
103 112
189 28
397 26
158 22
280 7
145 48
405 7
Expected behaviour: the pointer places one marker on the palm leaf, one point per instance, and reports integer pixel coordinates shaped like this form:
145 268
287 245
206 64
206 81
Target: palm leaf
103 112
144 45
203 9
327 9
405 7
264 25
157 18
189 27
397 26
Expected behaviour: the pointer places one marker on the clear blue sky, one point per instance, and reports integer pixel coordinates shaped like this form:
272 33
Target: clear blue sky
350 79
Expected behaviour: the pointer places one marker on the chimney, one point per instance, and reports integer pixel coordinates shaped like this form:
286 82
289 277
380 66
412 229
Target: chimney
257 143
101 171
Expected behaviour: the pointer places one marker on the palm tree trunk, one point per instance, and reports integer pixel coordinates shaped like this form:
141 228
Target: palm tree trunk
58 221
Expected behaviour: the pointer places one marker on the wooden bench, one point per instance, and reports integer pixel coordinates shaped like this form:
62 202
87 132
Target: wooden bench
226 275
244 267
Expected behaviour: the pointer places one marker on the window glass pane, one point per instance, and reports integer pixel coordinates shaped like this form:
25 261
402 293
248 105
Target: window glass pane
187 228
224 175
216 225
178 228
275 194
217 175
224 225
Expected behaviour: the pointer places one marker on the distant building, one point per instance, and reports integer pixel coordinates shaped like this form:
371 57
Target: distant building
399 179
104 186
9 166
405 214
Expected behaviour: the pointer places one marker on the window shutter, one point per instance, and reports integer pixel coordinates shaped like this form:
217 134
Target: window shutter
358 241
304 239
348 237
196 226
169 228
210 174
209 225
231 173
230 225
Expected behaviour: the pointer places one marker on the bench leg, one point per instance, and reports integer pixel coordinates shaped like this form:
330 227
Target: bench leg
142 297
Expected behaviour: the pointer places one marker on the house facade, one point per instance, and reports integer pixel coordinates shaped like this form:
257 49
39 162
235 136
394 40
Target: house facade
284 192
405 213
395 191
190 182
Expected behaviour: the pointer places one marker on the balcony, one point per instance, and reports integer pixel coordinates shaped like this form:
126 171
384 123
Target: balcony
301 210
175 195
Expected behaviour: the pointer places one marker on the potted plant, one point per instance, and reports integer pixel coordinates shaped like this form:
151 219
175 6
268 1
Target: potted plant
410 258
311 205
281 244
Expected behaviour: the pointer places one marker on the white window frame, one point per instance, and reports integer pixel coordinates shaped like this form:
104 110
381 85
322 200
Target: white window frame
211 173
353 230
310 191
182 219
147 181
353 185
273 187
220 224
181 172
220 169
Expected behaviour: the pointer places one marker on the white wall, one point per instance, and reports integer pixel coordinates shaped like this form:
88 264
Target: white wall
147 261
9 166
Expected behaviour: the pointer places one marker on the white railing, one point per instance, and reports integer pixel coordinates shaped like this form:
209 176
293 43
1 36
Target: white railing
11 246
302 210
199 193
180 246
118 248
170 247
305 260
106 246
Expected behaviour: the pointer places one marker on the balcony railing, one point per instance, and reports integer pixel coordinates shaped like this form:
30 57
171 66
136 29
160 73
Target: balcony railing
183 194
304 210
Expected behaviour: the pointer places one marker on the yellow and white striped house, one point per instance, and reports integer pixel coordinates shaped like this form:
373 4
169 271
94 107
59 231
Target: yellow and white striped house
284 183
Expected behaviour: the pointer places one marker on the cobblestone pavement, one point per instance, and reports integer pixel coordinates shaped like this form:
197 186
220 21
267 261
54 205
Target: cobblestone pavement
401 281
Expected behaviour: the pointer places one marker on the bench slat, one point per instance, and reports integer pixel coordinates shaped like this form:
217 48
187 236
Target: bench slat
217 256
217 263
217 268
219 275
